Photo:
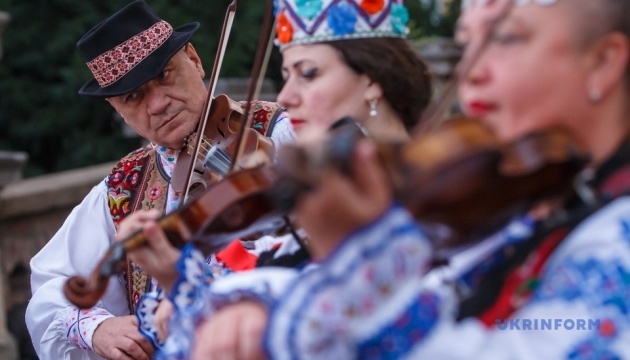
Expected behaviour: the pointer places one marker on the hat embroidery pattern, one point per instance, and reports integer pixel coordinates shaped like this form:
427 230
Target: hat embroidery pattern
311 21
113 64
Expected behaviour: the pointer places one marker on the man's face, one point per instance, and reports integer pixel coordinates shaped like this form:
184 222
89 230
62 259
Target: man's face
166 109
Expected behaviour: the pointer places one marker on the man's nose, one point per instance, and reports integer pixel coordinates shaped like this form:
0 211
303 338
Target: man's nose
157 101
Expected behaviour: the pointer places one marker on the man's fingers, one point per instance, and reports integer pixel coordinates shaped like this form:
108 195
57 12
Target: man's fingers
151 214
117 354
135 222
132 348
157 238
143 343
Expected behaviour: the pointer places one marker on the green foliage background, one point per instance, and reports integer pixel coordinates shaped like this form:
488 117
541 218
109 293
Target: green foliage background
41 71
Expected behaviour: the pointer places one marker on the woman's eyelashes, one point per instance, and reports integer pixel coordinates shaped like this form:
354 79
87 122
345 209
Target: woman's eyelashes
506 37
306 74
309 73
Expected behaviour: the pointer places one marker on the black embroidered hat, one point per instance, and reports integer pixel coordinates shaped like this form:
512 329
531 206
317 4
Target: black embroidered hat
129 49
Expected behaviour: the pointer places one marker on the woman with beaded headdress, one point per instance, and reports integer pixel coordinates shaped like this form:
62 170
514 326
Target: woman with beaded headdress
340 59
562 291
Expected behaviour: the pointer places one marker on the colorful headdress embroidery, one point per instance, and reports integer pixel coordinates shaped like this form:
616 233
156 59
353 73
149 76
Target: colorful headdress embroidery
312 21
467 4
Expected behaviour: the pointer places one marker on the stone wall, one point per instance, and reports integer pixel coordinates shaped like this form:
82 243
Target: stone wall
8 348
31 211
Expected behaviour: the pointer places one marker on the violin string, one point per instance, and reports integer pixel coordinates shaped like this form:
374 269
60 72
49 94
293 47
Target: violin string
213 157
218 161
191 148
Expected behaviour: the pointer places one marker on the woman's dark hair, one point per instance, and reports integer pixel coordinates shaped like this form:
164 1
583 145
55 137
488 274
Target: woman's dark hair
620 10
616 19
392 63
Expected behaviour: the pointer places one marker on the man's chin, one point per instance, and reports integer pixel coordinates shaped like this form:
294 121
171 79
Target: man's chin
173 143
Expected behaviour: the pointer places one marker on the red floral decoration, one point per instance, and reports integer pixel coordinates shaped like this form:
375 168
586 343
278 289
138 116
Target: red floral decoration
372 6
155 192
284 29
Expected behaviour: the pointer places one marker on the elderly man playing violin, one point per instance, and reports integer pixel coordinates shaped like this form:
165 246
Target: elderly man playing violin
152 76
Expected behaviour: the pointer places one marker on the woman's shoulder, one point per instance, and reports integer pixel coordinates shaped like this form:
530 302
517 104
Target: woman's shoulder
593 257
603 234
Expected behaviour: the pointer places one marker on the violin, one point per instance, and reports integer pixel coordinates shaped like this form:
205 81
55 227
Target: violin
223 141
233 207
218 147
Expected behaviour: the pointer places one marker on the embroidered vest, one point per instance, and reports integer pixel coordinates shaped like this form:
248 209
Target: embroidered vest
138 183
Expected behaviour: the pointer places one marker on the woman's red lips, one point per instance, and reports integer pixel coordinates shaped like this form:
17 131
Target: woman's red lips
296 123
479 108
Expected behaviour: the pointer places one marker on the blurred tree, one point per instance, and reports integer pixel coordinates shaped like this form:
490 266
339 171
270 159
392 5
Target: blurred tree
40 111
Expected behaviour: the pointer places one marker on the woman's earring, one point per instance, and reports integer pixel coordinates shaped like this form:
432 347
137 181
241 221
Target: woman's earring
373 104
595 95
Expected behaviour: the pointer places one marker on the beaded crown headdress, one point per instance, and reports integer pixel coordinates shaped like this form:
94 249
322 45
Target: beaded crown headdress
313 21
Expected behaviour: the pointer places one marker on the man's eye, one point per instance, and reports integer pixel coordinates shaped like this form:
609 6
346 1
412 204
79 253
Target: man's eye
164 74
131 96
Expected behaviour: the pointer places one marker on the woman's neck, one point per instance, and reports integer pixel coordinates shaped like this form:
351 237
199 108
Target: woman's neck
386 126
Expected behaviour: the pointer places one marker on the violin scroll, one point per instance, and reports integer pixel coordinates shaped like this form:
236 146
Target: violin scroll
80 292
84 292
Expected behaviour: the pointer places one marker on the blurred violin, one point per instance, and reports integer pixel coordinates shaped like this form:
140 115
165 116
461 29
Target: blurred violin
453 173
458 175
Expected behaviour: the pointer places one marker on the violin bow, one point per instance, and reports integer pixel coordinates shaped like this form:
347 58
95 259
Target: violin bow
182 176
433 116
263 51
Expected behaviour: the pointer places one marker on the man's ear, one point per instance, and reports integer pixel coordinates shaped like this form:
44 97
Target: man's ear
190 51
611 56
